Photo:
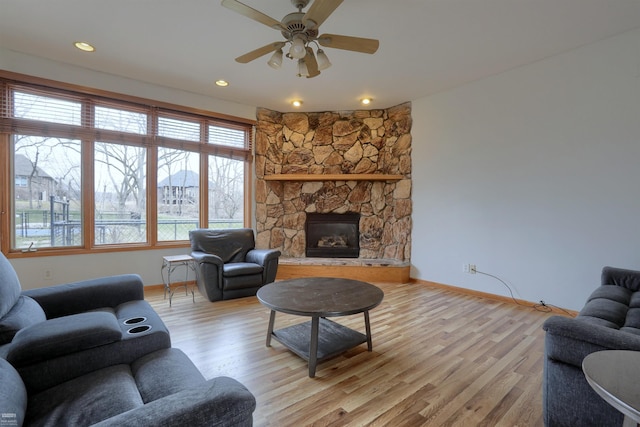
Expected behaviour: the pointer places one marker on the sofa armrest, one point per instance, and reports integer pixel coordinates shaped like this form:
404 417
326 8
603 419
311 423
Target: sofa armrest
262 256
78 297
220 401
570 340
629 279
63 335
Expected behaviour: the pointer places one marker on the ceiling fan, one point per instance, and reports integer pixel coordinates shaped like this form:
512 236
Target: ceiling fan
300 30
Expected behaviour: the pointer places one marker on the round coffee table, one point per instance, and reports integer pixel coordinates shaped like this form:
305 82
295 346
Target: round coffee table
614 375
319 298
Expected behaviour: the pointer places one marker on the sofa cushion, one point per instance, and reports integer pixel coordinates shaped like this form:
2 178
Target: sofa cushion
613 293
24 313
87 399
13 396
241 269
63 335
153 386
614 307
605 312
632 322
9 286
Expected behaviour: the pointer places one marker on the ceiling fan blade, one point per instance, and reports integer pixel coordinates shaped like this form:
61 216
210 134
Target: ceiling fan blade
261 51
356 44
251 13
312 63
319 11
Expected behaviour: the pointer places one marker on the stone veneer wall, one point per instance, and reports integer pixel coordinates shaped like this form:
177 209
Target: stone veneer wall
350 142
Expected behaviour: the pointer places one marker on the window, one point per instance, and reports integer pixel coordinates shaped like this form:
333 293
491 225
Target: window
33 106
178 193
121 120
47 198
120 193
154 173
226 192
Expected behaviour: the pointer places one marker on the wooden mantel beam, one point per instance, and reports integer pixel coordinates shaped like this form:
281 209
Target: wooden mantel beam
333 177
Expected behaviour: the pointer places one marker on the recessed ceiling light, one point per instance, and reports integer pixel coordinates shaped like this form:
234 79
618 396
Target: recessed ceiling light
84 46
365 101
222 83
296 103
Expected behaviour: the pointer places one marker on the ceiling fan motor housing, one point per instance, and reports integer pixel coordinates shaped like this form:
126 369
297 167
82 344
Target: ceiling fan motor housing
294 26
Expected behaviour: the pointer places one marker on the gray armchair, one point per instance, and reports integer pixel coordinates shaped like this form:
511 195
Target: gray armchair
228 265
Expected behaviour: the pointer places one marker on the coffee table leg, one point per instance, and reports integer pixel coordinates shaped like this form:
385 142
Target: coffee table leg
313 346
367 325
272 319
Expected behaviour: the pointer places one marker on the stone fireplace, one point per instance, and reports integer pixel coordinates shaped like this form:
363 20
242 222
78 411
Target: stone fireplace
332 235
335 163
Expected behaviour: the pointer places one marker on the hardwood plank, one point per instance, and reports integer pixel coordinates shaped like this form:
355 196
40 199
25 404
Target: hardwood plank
439 358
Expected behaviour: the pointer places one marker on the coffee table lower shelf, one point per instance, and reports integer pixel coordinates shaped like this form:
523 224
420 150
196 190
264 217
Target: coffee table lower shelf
333 339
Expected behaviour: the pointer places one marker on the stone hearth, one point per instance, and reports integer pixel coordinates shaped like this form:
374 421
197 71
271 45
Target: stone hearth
360 143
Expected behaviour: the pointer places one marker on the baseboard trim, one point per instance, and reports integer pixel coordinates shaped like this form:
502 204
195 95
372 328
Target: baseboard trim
384 273
501 298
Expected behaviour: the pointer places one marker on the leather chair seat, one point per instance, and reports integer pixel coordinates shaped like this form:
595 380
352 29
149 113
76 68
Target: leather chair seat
241 269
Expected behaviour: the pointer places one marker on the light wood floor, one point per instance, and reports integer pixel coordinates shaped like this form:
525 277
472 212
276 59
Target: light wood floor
439 359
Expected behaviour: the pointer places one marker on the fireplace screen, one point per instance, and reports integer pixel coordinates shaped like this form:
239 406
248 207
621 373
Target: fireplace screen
333 235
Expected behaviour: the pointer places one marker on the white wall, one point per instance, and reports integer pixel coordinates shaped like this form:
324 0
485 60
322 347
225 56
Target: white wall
63 269
70 268
533 175
39 67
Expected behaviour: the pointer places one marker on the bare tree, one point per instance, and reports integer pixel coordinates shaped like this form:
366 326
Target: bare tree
226 187
52 154
125 170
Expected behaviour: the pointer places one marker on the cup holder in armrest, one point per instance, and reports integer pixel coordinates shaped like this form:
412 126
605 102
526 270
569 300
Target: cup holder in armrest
139 329
134 320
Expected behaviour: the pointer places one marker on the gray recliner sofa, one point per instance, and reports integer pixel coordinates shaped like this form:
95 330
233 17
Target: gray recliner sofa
228 265
163 388
610 320
95 353
52 334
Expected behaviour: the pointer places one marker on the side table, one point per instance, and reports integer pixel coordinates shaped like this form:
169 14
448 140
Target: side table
614 375
169 264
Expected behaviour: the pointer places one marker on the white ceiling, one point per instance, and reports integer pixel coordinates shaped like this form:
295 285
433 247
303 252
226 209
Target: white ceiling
426 46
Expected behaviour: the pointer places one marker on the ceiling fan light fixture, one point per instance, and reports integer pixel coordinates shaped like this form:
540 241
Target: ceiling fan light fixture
276 60
323 60
298 49
300 30
303 71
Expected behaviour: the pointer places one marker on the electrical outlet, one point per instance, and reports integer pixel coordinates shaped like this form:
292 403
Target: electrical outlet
48 274
469 268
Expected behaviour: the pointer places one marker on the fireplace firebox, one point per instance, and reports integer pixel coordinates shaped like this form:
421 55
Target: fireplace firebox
333 235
